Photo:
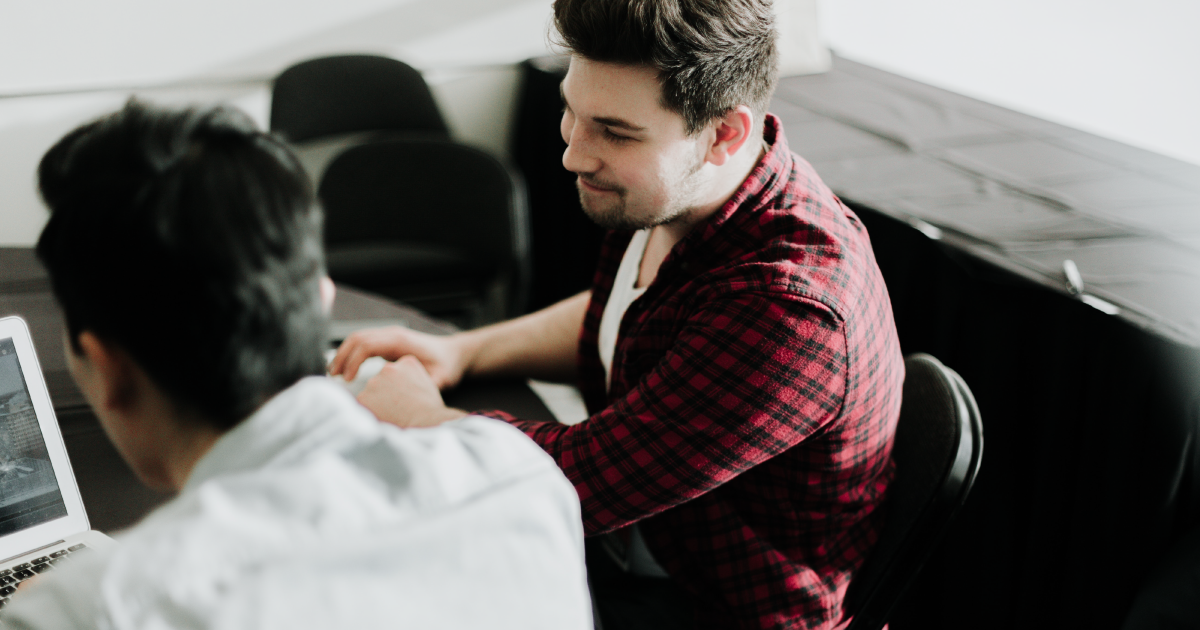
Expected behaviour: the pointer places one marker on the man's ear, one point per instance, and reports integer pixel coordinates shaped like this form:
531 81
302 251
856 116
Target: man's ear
731 132
328 291
111 368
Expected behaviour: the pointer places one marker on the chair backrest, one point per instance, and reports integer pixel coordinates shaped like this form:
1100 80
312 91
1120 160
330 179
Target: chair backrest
352 93
938 448
431 192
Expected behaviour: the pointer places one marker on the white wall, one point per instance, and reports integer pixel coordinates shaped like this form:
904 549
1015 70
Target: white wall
67 44
73 60
1118 68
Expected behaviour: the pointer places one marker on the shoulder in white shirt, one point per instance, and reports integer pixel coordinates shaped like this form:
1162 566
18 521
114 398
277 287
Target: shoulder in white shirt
312 514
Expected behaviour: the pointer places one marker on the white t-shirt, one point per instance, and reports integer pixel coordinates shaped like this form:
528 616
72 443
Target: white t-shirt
313 514
623 294
634 556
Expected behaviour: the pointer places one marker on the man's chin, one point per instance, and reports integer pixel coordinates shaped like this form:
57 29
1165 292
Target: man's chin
610 217
614 214
608 214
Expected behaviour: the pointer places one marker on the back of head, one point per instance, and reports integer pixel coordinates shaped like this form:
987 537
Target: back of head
191 240
711 55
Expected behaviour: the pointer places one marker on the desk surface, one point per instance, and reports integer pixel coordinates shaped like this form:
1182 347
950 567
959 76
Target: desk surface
1022 193
112 495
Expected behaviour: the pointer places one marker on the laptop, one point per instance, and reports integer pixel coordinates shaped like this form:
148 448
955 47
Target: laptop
42 520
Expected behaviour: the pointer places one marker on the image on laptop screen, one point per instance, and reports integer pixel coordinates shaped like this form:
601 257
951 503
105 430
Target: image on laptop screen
29 493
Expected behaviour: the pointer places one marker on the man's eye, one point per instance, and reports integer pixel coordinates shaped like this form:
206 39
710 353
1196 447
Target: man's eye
615 137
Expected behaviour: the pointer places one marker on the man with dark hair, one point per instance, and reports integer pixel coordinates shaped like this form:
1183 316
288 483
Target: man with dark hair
185 250
737 349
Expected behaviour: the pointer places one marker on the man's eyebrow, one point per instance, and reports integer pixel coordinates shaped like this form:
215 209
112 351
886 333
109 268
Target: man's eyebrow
619 123
607 121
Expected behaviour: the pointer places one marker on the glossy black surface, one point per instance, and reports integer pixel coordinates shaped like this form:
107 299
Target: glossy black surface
1024 193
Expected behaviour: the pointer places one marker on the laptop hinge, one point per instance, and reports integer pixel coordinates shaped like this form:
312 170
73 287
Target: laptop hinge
33 551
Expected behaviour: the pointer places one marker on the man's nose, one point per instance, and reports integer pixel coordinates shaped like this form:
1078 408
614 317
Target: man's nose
578 157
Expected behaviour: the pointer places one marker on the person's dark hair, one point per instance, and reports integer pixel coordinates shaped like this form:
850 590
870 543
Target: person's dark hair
190 239
711 55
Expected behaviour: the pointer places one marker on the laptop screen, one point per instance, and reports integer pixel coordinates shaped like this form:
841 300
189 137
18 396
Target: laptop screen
29 492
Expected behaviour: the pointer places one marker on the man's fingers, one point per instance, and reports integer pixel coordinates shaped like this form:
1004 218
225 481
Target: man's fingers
354 360
338 364
404 394
389 343
356 348
403 371
28 581
385 393
335 364
411 362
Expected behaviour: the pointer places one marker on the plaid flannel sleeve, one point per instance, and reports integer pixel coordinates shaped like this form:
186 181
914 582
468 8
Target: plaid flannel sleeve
748 377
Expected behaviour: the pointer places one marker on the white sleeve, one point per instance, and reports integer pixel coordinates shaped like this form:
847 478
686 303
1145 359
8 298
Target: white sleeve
66 597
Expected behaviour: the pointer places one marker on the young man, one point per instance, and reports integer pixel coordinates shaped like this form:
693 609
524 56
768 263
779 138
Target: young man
185 250
737 349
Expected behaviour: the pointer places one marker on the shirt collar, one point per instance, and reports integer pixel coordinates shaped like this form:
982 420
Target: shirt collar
294 422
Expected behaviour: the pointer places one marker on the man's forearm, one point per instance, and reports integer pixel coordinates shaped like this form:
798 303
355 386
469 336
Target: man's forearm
543 345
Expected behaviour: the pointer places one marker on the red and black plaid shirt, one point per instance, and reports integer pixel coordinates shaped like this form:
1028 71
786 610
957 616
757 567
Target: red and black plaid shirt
755 391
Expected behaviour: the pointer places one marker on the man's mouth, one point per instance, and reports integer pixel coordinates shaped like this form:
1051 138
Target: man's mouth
593 187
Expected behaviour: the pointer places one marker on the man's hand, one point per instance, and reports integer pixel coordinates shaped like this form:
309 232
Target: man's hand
404 394
441 357
28 582
541 345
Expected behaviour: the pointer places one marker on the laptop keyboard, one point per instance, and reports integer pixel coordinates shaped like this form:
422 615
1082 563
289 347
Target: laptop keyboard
12 577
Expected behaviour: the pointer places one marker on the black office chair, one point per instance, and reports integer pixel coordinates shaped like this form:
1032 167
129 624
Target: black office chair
939 444
438 225
329 96
325 105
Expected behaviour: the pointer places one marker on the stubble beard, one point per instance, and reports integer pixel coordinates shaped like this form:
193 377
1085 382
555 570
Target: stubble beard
609 214
615 215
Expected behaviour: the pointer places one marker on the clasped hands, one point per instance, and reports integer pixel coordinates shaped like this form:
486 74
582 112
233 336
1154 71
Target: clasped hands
407 391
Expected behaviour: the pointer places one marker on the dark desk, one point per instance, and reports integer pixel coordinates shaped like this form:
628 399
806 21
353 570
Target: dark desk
112 495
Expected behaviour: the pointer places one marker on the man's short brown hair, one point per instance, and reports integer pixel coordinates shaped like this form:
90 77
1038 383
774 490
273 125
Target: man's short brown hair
711 55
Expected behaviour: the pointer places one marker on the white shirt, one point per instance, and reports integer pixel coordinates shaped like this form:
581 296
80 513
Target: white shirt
313 514
635 556
624 292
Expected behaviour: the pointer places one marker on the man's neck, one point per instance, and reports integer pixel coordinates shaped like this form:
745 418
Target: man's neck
663 238
176 440
188 451
724 184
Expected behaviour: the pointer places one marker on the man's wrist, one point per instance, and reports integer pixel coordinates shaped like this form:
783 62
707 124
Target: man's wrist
467 345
